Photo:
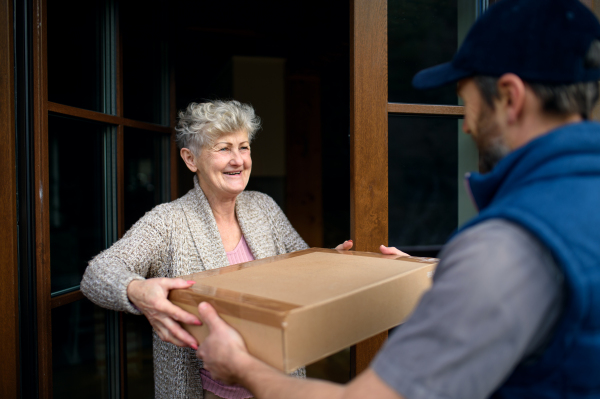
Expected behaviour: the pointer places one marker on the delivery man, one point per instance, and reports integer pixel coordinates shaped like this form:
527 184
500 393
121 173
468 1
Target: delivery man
514 310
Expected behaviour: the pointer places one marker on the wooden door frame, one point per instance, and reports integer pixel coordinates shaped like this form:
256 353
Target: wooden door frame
9 280
368 143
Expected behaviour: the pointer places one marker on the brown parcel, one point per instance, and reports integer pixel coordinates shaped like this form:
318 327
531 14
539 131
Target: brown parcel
298 308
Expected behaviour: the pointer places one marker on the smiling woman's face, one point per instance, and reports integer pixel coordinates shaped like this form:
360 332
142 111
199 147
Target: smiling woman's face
224 168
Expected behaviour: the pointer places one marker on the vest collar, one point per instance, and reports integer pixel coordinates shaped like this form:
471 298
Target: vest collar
565 151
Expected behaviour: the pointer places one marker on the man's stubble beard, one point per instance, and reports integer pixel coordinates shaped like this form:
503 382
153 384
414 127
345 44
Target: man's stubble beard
489 140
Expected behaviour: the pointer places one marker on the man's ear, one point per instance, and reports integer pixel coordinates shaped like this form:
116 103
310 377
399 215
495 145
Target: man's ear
188 157
512 96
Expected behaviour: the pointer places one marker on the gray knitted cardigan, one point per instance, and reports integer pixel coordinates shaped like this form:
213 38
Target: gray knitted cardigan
175 239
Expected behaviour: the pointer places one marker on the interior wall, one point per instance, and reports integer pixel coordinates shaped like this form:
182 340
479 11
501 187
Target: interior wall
260 81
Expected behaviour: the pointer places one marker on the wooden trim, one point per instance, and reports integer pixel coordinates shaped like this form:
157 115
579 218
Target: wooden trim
9 278
42 203
105 118
426 109
66 299
368 141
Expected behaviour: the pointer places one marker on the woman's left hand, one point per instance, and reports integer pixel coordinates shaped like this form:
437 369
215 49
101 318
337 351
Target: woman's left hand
345 246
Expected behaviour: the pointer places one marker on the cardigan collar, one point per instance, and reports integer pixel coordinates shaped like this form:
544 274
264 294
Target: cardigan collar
205 233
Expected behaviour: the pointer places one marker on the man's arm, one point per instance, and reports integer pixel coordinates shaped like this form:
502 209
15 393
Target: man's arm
225 356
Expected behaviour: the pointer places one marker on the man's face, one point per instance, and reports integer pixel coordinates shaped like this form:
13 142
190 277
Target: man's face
481 122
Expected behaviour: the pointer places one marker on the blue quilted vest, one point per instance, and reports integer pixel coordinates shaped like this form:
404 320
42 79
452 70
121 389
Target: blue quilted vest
551 187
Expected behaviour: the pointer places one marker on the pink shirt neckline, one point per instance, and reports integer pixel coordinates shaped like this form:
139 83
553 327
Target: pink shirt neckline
240 254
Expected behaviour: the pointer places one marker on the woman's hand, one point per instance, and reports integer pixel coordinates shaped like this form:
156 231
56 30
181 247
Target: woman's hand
392 251
345 246
150 297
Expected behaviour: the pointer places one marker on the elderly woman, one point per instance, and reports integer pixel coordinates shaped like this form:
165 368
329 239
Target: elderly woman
214 225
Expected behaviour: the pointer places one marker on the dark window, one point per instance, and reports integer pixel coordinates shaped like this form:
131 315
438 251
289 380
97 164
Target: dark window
79 54
146 172
423 184
79 351
77 208
145 60
421 34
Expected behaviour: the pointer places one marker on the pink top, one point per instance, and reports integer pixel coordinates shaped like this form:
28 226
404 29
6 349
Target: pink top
240 254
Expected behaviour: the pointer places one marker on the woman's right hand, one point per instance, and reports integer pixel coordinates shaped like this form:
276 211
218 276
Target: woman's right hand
150 297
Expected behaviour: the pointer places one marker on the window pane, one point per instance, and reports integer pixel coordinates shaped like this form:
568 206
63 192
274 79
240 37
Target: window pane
423 184
146 172
145 61
140 366
79 54
76 198
421 34
79 368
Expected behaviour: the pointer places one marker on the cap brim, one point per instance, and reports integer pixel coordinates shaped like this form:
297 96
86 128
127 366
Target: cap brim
439 75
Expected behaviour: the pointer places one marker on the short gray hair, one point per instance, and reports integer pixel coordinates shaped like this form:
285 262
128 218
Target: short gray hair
203 123
577 98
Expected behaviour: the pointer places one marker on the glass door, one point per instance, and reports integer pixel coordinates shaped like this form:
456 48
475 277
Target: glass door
103 153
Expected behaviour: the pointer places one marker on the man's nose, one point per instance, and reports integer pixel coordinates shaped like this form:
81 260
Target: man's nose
465 128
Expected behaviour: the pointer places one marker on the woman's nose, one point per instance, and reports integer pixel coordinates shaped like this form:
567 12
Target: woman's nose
236 158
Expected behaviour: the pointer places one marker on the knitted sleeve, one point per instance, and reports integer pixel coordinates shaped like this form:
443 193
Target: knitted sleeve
142 252
290 237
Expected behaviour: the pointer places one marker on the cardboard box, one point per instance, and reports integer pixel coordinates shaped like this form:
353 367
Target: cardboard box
298 308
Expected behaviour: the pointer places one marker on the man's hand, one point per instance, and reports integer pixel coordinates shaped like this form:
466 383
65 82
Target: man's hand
223 351
150 297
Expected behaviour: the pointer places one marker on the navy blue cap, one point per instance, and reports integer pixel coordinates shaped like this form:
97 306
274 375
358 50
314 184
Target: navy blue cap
541 41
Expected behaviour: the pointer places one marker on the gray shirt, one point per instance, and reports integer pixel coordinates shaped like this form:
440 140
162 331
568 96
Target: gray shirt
496 296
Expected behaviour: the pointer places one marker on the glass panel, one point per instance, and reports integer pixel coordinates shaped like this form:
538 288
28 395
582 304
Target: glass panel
146 172
80 52
423 188
140 366
79 368
76 170
421 34
145 66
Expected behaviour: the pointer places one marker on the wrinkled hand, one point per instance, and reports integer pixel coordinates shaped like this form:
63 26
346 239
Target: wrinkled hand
392 251
223 350
345 246
150 297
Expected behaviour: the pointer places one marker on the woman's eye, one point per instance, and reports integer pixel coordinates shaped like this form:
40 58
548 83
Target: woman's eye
224 149
245 148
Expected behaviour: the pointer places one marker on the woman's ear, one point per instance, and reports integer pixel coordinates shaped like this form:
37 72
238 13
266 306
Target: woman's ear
189 158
